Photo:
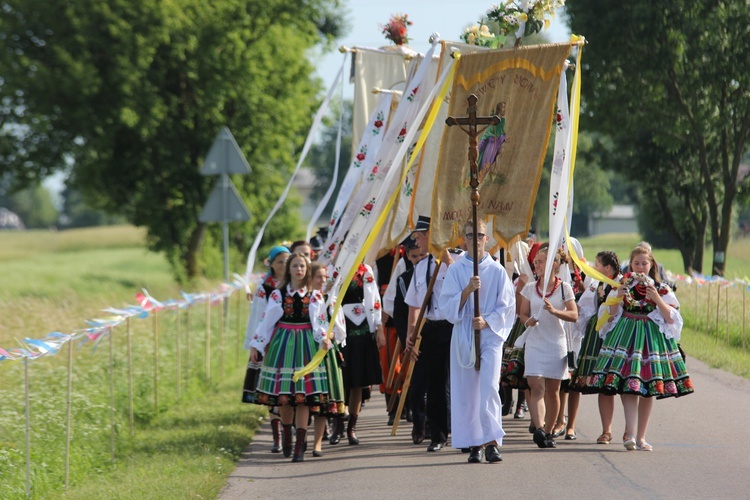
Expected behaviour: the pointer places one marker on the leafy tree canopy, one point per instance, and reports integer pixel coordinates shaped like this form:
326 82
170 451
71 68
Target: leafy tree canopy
132 93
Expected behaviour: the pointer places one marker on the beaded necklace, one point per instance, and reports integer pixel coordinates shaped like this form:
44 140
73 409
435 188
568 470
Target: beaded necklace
539 292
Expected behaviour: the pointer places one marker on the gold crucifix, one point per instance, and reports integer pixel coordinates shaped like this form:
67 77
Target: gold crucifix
472 121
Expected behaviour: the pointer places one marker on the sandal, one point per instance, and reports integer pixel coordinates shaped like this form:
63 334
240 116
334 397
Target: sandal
644 446
605 438
629 444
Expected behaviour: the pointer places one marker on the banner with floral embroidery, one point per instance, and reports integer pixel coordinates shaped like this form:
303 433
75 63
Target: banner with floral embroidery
368 146
384 68
519 85
376 169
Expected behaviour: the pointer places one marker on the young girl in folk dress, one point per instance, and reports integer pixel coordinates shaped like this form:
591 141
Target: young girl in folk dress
608 264
546 350
293 326
276 265
364 335
639 358
335 407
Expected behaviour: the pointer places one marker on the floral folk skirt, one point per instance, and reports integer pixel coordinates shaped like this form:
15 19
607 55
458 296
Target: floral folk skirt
636 358
291 347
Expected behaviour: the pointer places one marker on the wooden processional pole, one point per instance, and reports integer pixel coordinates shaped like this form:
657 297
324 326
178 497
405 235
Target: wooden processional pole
472 121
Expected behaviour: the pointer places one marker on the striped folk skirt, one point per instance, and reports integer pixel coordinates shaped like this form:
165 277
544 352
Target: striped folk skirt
291 347
636 358
587 357
336 395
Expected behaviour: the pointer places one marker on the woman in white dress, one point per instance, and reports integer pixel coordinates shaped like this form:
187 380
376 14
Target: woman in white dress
546 348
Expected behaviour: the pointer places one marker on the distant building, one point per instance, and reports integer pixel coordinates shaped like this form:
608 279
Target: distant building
620 219
10 220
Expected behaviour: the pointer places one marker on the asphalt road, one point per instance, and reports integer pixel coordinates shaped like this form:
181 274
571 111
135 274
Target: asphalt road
701 450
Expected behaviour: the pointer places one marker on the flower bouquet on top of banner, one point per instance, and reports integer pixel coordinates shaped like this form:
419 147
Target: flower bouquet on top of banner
396 30
523 17
479 34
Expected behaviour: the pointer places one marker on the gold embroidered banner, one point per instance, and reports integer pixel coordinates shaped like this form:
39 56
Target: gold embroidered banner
519 85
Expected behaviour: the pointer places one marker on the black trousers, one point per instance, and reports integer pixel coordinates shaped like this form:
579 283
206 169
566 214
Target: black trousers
435 354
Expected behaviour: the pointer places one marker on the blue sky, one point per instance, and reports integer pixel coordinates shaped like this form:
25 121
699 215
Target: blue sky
449 18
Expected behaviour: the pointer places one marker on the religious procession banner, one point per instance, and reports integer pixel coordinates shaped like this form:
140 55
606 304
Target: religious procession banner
415 195
519 86
384 68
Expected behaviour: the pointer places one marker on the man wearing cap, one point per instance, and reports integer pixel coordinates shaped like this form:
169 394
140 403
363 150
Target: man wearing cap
434 359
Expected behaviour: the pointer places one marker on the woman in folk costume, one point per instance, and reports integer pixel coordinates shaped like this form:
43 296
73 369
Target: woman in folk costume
276 263
639 358
546 348
364 335
608 264
293 327
335 407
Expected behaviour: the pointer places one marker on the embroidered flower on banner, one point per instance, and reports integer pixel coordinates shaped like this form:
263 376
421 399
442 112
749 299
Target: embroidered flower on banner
378 123
352 242
358 310
374 172
557 163
401 134
412 94
360 156
365 212
554 202
559 120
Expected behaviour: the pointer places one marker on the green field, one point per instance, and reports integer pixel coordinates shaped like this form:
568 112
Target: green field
187 445
54 281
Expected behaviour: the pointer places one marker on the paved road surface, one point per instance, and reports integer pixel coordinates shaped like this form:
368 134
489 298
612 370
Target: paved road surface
701 450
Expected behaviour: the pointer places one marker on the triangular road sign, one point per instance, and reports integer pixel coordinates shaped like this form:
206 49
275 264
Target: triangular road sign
224 204
225 156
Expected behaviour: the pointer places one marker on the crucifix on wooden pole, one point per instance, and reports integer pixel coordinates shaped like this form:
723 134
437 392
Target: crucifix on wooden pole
472 121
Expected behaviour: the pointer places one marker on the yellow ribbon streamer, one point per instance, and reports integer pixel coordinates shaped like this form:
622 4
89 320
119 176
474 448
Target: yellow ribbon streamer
611 301
436 103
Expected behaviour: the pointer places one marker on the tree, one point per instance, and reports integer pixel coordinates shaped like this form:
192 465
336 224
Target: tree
33 205
133 92
77 213
673 77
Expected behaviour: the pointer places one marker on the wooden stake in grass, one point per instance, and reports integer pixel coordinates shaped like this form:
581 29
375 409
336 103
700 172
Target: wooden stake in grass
239 334
726 310
708 305
222 312
208 340
68 427
187 347
718 304
111 395
28 427
179 357
744 294
130 377
695 306
156 363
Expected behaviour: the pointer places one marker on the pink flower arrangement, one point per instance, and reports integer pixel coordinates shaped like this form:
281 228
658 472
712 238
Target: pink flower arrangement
396 29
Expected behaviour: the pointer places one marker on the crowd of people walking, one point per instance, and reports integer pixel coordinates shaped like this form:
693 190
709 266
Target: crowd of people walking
475 328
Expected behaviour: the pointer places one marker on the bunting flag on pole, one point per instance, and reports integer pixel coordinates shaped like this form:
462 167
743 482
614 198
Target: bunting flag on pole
519 85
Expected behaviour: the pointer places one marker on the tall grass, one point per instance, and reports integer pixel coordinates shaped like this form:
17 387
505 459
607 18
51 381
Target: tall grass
55 281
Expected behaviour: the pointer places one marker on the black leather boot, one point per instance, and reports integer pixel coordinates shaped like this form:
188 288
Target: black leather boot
350 429
286 446
338 427
300 446
276 431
